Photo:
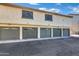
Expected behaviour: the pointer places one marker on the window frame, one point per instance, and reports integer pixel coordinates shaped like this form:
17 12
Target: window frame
47 15
23 11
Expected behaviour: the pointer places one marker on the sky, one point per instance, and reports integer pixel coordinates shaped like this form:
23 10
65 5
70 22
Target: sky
62 8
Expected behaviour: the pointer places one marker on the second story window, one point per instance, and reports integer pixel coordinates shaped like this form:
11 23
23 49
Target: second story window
27 14
48 17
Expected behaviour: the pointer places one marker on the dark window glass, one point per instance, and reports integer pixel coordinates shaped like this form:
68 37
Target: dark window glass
27 14
48 17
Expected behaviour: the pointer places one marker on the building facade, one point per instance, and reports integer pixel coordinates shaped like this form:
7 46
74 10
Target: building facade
20 23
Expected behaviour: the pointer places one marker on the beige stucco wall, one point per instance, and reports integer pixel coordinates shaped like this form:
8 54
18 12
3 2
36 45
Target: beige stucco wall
75 19
75 24
9 13
13 15
62 20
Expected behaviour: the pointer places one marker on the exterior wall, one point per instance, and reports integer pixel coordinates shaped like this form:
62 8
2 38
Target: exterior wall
75 19
14 15
74 29
9 13
75 24
62 21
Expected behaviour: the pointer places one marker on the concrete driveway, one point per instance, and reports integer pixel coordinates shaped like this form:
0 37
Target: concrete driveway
59 47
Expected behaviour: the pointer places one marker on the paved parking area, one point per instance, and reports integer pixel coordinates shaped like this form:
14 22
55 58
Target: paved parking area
59 47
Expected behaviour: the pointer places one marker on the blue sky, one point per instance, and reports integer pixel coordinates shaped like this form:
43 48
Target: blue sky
62 8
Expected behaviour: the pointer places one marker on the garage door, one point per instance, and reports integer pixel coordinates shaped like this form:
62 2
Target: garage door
29 33
66 32
9 33
57 32
45 32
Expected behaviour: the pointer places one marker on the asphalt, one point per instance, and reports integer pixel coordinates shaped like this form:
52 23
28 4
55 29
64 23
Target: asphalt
51 47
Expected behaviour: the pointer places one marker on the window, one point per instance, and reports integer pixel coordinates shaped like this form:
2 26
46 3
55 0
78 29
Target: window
57 32
48 17
27 14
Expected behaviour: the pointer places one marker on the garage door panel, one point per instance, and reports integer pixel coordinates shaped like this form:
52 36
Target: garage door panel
45 32
66 32
9 33
29 33
57 32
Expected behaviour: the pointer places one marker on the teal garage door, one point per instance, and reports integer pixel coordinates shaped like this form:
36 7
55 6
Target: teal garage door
45 32
57 32
29 33
66 32
9 33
